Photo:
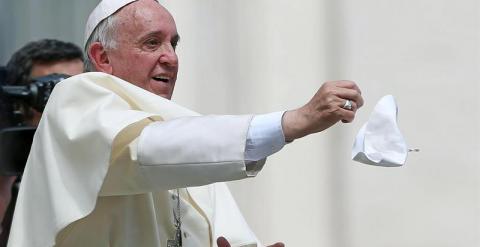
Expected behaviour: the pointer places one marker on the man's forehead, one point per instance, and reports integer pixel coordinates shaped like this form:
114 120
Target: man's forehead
146 9
105 9
144 18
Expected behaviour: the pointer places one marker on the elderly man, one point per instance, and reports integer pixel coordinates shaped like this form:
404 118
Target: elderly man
113 164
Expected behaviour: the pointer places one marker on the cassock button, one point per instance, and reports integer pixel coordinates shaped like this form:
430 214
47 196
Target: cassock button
185 235
174 197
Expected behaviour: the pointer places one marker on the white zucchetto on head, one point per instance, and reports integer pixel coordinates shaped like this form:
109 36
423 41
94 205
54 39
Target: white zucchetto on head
380 142
103 10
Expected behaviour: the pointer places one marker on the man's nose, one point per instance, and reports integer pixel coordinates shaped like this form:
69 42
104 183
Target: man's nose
168 56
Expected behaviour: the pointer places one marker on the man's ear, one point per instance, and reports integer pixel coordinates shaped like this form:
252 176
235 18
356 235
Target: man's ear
99 57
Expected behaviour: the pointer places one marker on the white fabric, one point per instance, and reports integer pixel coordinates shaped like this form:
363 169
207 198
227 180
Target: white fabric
226 208
182 143
379 141
83 186
103 10
213 213
265 136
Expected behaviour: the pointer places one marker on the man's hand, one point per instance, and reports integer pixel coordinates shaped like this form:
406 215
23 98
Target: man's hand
222 242
323 110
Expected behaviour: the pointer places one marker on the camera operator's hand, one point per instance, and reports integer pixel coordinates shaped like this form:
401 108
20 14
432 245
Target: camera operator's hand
334 101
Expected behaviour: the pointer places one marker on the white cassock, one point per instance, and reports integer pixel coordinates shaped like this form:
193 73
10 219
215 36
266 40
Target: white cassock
85 183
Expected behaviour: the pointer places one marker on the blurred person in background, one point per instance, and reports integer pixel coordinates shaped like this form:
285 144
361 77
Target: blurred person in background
35 59
41 58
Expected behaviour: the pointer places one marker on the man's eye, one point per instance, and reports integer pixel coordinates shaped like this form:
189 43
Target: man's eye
152 43
174 45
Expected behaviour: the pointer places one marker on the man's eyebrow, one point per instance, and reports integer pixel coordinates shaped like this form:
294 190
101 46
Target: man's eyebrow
175 38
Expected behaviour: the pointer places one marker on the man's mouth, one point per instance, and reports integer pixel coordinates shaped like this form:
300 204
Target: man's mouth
162 78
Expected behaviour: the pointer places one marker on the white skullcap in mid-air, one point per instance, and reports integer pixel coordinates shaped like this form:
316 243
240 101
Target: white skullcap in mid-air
380 142
103 10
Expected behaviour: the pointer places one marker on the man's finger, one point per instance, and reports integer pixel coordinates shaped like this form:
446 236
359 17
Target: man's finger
347 116
350 94
346 90
277 245
347 84
222 242
353 105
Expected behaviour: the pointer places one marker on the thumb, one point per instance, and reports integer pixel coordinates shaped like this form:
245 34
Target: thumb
222 242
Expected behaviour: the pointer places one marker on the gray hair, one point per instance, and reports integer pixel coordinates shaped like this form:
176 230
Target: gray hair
103 33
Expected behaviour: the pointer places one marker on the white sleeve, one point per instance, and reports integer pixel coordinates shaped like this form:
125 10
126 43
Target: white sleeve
265 136
193 151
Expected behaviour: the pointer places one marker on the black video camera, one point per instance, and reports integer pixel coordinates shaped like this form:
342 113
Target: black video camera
15 137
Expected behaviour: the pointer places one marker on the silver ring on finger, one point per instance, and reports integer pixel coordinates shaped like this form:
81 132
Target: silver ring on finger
348 105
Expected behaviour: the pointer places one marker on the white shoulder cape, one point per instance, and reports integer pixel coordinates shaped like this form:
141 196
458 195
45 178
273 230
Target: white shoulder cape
53 195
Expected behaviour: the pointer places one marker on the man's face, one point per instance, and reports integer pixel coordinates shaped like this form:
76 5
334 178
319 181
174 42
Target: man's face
145 56
67 67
